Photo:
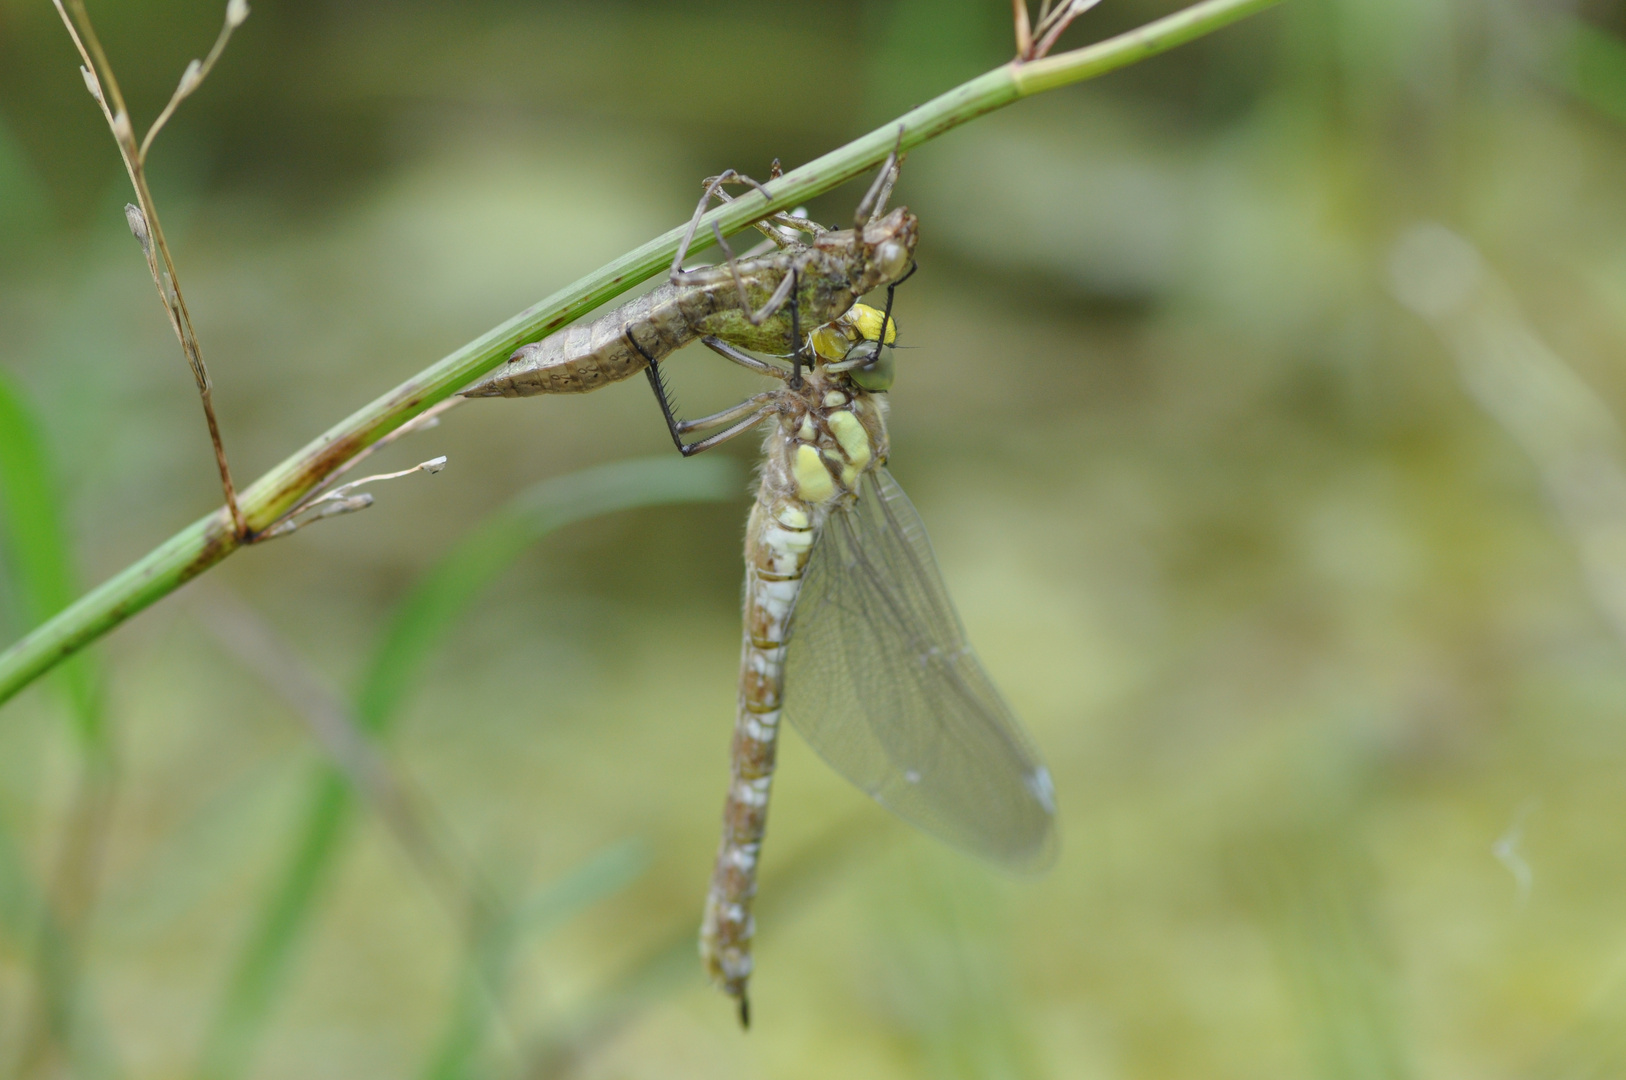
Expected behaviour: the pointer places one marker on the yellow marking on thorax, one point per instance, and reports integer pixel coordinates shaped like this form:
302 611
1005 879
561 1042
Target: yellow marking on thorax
813 481
854 440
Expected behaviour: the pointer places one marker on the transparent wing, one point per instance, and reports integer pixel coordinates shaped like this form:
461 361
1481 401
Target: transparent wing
880 680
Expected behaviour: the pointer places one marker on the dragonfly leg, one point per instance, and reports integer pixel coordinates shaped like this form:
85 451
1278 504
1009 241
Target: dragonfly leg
787 288
796 333
743 358
781 227
775 302
713 187
875 200
762 413
759 409
750 405
755 318
886 316
733 267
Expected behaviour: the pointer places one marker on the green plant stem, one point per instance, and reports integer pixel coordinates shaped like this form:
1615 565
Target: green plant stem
205 542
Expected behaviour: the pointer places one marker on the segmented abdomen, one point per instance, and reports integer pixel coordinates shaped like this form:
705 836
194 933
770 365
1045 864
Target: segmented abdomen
778 539
585 357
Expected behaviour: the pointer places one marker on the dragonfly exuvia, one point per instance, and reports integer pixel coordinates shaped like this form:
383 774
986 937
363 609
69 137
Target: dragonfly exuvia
848 628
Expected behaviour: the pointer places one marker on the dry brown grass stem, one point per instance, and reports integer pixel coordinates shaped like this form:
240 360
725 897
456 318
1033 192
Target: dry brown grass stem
1035 43
1024 31
143 216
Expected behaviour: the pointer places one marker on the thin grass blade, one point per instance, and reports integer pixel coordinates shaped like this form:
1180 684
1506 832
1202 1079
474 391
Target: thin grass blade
42 582
37 549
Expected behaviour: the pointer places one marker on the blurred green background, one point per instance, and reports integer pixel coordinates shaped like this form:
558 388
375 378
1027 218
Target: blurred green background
1260 399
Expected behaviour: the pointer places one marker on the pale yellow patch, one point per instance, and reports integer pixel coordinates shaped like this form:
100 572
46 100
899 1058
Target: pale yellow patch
789 541
806 431
792 517
835 399
854 440
813 480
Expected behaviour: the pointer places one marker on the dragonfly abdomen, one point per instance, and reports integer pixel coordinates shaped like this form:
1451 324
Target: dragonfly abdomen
817 448
778 539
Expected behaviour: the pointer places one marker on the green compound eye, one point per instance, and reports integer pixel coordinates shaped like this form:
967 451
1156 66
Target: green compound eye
877 374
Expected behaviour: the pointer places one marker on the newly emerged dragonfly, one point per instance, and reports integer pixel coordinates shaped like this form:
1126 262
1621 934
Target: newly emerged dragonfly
848 628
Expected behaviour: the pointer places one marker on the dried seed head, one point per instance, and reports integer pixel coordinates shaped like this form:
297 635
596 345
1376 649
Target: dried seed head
433 465
236 13
347 505
92 83
190 78
138 225
121 129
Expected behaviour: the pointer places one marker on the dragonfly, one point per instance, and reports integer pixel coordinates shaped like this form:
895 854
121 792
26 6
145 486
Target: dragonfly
849 630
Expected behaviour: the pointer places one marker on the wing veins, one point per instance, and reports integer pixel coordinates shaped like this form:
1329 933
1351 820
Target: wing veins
882 683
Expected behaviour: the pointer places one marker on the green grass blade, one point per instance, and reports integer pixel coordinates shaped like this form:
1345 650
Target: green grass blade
36 548
421 621
42 583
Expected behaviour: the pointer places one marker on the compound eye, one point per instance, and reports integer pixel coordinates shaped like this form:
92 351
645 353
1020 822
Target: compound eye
877 373
891 259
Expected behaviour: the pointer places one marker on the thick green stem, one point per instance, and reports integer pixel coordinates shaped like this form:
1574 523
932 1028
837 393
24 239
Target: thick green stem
205 542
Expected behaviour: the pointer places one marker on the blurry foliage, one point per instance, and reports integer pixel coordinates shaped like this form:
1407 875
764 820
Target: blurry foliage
411 638
1275 531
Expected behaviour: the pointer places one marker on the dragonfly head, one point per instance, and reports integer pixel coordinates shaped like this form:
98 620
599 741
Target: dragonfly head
853 344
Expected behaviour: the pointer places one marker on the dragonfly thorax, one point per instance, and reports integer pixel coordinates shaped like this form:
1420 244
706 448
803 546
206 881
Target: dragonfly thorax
830 433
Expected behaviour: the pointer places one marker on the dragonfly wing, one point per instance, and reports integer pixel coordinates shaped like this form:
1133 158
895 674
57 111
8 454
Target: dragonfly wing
880 680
